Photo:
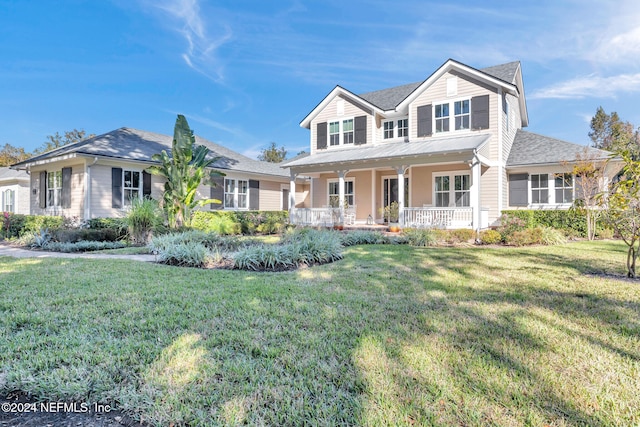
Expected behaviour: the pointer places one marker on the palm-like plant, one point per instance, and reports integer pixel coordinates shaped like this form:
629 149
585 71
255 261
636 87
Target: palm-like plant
185 169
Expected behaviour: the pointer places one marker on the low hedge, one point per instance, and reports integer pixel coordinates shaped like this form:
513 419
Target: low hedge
571 221
18 225
240 222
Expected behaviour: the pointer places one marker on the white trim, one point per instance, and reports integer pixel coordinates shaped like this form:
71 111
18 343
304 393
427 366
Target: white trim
334 180
395 137
501 131
140 185
340 122
235 195
337 91
451 117
407 177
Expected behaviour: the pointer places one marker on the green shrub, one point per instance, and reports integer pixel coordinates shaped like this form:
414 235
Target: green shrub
221 222
605 233
82 246
551 236
490 237
273 222
420 237
211 241
363 237
77 234
461 235
118 226
185 254
18 225
510 224
572 222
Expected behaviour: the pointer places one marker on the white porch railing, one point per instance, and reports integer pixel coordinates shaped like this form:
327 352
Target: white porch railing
314 216
438 217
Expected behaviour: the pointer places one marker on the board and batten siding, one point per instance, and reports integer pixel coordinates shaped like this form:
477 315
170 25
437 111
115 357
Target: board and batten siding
330 113
467 88
76 208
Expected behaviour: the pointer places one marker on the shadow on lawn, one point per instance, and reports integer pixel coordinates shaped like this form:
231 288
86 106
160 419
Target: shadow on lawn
479 341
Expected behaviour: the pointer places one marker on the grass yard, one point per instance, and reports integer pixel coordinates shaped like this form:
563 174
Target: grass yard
390 335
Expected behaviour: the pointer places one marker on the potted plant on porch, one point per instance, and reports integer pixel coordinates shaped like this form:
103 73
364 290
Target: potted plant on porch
391 213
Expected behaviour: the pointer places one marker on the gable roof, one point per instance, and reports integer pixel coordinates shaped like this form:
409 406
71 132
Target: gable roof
394 98
533 149
8 174
390 151
137 145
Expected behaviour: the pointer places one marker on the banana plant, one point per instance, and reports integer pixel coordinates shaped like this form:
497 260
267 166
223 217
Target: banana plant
185 168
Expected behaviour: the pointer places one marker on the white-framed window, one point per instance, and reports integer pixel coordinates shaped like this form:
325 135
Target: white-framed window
563 188
403 128
398 128
442 114
461 114
131 186
347 131
333 194
462 190
54 188
452 189
334 133
236 193
442 117
388 132
8 200
539 188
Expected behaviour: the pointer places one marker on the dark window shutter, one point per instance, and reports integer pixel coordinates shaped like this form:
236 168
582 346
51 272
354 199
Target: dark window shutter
321 135
285 199
217 192
360 130
425 127
43 190
66 188
480 112
518 189
146 183
116 188
254 194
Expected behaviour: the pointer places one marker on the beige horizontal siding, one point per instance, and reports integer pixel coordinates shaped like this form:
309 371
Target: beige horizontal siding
77 192
330 113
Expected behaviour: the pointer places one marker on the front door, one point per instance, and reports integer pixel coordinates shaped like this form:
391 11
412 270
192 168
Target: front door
390 191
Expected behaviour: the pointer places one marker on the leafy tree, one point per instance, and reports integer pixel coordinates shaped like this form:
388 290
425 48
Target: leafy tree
273 154
621 209
185 169
57 140
609 132
10 155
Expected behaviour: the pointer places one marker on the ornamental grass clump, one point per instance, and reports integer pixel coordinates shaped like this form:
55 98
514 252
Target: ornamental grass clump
363 237
143 218
185 254
420 237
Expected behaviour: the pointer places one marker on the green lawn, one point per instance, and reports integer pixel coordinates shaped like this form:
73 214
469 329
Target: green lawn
390 335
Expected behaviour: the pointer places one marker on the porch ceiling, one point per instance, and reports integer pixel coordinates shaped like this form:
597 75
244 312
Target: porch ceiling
391 153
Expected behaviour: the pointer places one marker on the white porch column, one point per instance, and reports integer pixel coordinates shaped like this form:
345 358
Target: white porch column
476 200
400 172
341 175
292 197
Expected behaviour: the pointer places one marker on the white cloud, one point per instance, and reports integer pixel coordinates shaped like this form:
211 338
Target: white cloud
200 55
591 86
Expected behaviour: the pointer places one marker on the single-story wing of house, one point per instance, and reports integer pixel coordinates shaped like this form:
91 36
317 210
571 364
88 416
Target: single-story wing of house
100 176
14 191
449 150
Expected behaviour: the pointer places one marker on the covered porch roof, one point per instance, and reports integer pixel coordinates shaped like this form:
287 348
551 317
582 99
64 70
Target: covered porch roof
389 152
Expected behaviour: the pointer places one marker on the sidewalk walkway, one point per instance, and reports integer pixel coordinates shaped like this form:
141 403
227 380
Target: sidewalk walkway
16 252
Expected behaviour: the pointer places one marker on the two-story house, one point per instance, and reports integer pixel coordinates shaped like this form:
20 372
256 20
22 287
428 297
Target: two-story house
450 150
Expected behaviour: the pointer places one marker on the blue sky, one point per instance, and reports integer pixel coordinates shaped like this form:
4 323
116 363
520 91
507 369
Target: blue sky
245 73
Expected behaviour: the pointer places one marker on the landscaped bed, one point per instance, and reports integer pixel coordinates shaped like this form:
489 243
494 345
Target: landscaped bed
389 335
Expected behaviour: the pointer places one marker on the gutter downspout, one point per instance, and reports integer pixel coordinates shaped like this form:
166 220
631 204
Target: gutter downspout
87 190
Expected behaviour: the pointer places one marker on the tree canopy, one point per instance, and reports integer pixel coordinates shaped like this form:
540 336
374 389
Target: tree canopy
610 132
57 140
10 155
273 154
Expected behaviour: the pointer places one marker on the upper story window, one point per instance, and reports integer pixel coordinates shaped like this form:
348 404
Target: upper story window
461 114
334 133
388 130
403 127
131 186
442 117
54 188
395 128
347 131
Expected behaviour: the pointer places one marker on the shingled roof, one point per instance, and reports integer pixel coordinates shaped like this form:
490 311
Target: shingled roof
388 99
533 149
137 145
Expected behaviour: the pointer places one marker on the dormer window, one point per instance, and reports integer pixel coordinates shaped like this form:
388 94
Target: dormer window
334 133
347 131
395 128
442 117
461 114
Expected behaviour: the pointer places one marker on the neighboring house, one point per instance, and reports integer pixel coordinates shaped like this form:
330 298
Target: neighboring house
14 191
98 177
450 150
